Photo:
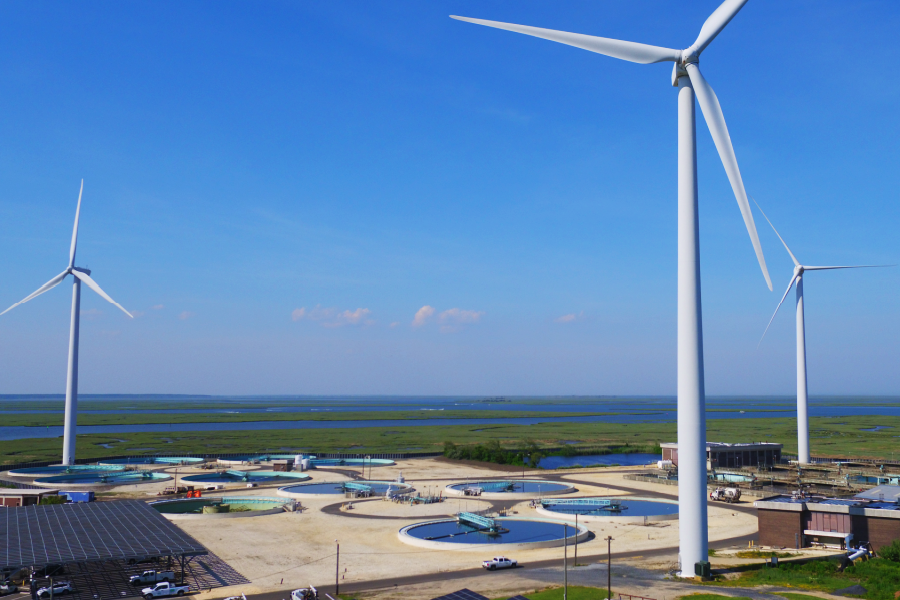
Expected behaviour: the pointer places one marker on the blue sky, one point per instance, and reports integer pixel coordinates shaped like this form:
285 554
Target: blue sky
278 189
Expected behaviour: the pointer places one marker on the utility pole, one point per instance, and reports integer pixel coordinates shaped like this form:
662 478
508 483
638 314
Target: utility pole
609 567
337 570
566 561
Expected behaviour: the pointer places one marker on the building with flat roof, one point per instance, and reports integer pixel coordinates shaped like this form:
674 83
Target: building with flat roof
720 455
15 497
800 522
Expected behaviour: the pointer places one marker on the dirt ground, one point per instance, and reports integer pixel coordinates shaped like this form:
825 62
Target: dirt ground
294 550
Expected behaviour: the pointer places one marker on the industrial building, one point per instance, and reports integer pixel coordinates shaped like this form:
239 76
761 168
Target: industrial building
803 521
720 455
16 497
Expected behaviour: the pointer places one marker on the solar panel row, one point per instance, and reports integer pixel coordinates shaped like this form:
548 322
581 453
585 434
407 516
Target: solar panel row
88 531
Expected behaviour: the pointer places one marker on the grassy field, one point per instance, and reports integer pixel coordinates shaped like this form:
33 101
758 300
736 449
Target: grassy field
880 577
126 418
575 592
831 437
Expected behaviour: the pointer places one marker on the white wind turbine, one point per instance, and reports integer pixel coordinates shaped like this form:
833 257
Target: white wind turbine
78 275
802 397
687 78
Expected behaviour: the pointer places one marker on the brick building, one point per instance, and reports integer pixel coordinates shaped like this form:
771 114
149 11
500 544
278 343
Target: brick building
720 455
790 522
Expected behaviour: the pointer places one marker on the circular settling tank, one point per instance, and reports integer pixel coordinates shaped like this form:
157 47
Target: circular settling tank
509 489
65 470
627 509
512 533
153 460
219 507
245 477
99 478
340 488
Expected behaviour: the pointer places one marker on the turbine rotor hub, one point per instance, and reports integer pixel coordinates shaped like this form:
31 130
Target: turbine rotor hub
690 56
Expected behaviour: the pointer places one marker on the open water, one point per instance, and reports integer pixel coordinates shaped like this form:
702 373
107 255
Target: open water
621 409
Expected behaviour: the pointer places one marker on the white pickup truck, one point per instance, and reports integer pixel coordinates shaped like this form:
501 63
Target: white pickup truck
499 562
163 590
152 577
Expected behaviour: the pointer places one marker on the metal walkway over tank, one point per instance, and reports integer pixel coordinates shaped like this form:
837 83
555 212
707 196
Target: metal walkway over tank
477 521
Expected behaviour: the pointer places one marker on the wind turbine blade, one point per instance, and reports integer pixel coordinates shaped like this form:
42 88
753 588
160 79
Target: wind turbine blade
75 229
93 285
630 51
848 267
712 112
786 292
44 288
715 24
793 258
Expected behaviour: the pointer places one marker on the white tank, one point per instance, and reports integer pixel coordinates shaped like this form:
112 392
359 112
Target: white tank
304 464
663 464
400 478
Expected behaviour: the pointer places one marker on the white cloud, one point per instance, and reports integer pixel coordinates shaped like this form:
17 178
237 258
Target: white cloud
185 315
569 318
394 324
91 314
157 307
422 315
456 315
349 318
138 313
332 317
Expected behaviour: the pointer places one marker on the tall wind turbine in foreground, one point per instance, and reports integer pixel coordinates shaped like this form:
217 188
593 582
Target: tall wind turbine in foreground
802 398
687 78
78 275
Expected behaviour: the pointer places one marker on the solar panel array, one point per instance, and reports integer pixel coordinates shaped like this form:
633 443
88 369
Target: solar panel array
88 531
463 594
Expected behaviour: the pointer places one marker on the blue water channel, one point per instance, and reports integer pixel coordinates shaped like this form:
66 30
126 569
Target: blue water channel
625 409
556 462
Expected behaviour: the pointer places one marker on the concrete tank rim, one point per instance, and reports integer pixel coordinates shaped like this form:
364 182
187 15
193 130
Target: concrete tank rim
582 534
230 515
198 477
451 491
282 491
45 481
622 520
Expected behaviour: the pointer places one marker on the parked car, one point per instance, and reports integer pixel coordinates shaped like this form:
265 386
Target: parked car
163 590
499 562
58 589
8 588
152 577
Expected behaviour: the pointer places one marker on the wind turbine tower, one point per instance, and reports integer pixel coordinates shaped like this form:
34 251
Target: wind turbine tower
686 76
802 392
79 275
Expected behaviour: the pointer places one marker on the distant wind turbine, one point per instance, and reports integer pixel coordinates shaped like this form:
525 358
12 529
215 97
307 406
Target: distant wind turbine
802 395
686 76
78 275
